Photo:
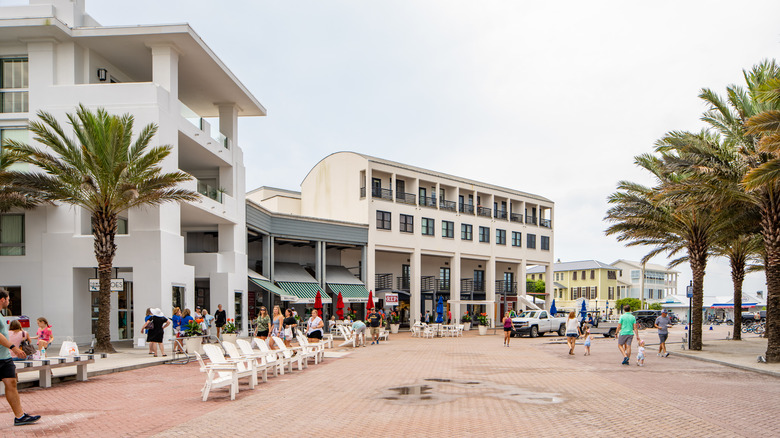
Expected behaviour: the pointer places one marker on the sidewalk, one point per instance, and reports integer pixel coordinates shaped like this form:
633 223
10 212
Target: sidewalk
738 354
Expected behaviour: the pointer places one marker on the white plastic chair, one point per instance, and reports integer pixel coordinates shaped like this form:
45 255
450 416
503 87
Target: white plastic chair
287 353
349 337
234 354
244 367
281 361
218 376
264 359
311 350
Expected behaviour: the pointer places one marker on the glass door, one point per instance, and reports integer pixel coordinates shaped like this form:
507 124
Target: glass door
125 312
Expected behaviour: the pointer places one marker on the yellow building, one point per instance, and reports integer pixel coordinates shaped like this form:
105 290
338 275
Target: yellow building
599 284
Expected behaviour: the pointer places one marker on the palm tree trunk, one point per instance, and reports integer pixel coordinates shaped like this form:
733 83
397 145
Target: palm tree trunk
737 277
104 226
770 231
698 260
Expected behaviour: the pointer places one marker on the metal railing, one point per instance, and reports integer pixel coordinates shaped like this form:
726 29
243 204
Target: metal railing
514 217
547 223
383 281
447 205
442 285
469 285
426 201
484 211
530 219
406 198
428 284
210 191
403 283
380 193
466 208
506 287
501 214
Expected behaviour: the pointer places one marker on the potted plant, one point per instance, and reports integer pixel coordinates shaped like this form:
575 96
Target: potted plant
466 320
230 331
483 323
192 333
395 322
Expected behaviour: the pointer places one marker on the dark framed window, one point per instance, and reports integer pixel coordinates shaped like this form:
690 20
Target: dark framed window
574 275
484 234
545 244
447 229
500 237
427 226
466 232
592 271
382 220
517 239
530 242
407 223
12 235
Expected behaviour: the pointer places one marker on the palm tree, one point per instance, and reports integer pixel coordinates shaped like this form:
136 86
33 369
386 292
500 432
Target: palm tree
654 217
103 171
745 119
766 179
11 196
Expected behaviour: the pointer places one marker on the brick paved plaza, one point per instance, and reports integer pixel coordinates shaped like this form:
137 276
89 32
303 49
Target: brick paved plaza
426 387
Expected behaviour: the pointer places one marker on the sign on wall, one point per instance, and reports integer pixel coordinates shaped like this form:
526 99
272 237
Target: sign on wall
391 299
117 284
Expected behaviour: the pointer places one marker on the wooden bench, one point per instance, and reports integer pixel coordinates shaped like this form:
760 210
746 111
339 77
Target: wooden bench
44 367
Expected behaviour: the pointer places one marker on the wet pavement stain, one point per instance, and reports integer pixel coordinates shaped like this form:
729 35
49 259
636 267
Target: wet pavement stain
438 390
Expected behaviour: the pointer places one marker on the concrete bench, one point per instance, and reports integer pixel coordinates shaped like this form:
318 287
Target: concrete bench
44 367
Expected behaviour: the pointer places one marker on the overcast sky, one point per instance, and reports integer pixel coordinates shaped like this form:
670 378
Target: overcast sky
552 98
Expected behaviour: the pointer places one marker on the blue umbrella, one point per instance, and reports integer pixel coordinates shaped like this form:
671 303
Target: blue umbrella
553 310
440 310
584 310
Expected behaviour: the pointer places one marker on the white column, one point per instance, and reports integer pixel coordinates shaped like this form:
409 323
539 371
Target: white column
490 286
415 271
455 287
548 279
165 69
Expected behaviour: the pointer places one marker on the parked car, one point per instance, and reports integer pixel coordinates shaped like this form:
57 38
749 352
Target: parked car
646 318
537 322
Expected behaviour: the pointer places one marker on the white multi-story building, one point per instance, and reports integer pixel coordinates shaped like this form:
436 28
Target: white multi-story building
433 235
657 281
54 56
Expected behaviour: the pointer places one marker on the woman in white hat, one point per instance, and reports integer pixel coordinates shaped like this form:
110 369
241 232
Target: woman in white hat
154 335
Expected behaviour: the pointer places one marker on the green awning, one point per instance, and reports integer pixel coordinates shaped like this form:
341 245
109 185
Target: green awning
270 287
304 292
351 293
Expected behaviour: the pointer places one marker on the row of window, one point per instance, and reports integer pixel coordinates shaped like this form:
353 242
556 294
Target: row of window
560 276
12 242
590 293
428 225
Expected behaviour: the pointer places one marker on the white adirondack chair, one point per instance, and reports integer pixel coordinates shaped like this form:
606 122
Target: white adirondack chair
313 350
279 359
245 367
234 353
265 359
287 353
349 338
218 376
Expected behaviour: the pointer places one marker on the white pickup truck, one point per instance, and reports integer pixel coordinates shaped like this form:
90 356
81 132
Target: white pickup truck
537 322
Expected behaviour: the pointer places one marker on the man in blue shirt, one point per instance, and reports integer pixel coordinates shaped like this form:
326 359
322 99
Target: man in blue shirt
8 369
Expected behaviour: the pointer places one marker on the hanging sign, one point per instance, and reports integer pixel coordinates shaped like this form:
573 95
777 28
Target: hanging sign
391 299
117 284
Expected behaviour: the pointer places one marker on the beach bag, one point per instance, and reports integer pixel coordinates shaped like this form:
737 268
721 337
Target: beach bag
69 348
26 347
288 333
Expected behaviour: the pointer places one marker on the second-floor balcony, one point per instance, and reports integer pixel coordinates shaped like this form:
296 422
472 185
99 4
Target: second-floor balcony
406 198
466 208
504 287
426 201
210 191
547 223
514 217
383 281
378 192
530 219
403 283
469 285
442 285
198 121
484 212
447 205
501 214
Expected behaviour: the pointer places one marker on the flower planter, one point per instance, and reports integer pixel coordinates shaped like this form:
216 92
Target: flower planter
483 330
394 328
193 344
229 337
467 326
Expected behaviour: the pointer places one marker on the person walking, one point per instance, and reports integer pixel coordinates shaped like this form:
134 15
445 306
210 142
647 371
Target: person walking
314 327
572 331
507 328
374 320
207 319
8 368
220 319
154 335
626 328
263 324
177 329
277 320
588 340
662 324
290 323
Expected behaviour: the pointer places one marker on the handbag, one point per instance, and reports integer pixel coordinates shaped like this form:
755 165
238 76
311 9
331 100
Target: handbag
27 347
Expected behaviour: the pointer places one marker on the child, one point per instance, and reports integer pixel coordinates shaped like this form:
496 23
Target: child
588 339
640 357
44 333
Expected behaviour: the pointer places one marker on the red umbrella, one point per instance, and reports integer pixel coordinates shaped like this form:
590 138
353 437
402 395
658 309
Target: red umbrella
340 306
370 304
318 303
